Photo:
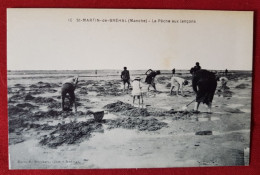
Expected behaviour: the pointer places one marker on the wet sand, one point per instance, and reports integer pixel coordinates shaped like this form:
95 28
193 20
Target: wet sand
159 134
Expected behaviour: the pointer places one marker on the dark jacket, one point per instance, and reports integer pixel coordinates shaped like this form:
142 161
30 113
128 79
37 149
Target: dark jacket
125 75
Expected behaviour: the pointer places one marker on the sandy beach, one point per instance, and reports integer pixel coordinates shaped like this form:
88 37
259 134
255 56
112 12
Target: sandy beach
158 134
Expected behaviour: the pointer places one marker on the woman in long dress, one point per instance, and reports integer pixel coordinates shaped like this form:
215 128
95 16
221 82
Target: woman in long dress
204 84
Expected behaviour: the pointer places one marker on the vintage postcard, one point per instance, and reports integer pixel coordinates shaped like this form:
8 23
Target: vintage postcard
124 88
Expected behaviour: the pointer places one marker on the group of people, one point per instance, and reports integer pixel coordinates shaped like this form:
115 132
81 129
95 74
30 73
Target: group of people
150 76
136 85
204 84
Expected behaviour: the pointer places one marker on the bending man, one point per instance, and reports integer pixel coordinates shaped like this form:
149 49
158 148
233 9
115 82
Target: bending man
68 87
179 82
150 78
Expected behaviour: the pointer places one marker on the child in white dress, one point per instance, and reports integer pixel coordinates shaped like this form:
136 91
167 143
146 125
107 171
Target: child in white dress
136 92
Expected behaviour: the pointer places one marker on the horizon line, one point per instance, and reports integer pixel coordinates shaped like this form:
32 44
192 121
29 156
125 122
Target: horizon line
117 69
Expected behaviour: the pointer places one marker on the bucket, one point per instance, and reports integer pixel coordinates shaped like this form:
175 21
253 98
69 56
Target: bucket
98 116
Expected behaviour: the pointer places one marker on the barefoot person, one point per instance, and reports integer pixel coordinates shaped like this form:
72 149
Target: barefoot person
204 84
68 87
179 83
150 75
136 92
125 76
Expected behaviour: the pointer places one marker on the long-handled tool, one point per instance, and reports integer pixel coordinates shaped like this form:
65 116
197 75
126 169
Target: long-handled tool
186 106
76 83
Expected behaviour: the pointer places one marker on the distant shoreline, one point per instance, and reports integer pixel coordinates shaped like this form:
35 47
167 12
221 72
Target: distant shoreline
120 70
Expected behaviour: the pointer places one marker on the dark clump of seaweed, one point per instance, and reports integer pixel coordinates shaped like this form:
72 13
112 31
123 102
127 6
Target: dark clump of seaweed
71 133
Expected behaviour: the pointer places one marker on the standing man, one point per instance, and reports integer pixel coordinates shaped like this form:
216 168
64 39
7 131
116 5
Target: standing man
226 72
150 75
68 87
204 84
125 76
173 71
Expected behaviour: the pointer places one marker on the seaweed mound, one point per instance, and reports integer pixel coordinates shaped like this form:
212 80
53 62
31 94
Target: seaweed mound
118 106
54 105
55 114
18 124
18 85
49 113
25 105
83 91
242 86
141 124
29 97
14 110
108 88
33 86
42 87
135 112
41 84
16 97
71 133
126 109
44 100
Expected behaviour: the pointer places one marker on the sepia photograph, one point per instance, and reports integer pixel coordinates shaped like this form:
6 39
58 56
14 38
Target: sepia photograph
128 88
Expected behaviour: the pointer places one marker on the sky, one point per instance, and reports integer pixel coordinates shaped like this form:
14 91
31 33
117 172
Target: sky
52 39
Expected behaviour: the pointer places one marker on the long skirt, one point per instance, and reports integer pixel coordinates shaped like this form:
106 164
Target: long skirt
206 90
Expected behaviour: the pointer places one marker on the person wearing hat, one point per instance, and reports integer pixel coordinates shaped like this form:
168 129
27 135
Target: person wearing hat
179 83
136 92
125 76
150 76
223 81
68 87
